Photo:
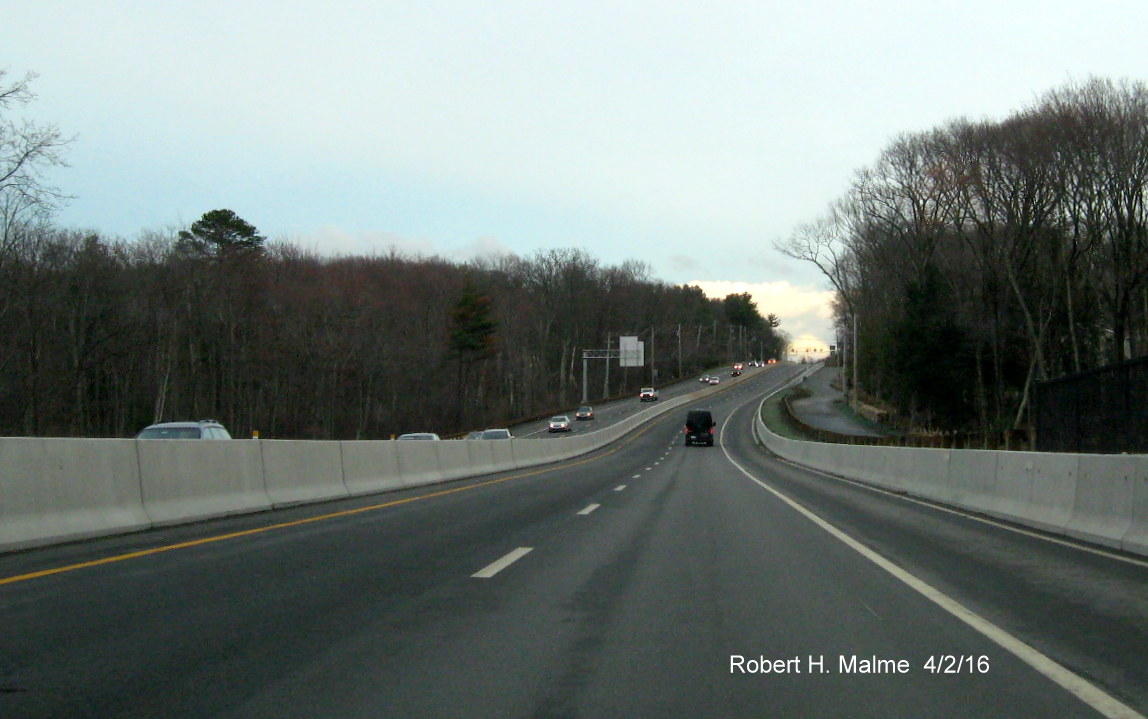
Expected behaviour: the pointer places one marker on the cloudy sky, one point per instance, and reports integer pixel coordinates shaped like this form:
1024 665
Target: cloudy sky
689 135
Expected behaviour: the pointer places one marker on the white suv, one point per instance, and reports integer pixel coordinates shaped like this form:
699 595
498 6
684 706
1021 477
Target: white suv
203 429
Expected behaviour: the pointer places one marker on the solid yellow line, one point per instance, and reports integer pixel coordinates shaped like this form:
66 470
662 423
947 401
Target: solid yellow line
309 520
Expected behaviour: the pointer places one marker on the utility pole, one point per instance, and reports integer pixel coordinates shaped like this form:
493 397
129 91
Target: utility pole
606 385
679 349
856 397
653 367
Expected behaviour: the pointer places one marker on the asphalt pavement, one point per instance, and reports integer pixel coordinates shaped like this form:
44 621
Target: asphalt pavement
648 579
823 408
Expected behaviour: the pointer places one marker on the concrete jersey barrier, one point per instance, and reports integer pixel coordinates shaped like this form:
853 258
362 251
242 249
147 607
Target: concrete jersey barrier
1097 498
298 472
57 489
186 481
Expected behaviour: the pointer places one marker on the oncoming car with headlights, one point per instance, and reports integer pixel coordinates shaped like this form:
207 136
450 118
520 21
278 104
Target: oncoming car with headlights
559 423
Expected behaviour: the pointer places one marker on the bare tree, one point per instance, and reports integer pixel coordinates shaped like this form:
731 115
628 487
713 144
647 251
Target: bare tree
26 150
825 243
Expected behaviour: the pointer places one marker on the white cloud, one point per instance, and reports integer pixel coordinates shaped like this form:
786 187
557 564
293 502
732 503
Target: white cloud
805 312
331 240
482 247
617 126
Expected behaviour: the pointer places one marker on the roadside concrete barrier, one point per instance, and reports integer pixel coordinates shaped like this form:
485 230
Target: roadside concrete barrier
972 479
1035 488
871 467
1104 500
58 490
1136 538
917 470
1097 498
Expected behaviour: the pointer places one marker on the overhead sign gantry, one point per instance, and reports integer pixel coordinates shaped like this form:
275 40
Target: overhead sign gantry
630 353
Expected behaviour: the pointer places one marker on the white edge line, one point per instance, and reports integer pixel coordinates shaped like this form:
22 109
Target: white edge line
495 567
1089 693
931 504
1065 541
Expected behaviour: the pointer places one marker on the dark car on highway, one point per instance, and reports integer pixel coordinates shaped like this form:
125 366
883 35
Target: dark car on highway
700 427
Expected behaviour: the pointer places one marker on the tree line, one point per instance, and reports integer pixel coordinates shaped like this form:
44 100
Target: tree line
103 336
975 259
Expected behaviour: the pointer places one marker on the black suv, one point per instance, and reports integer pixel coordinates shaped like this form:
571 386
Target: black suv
700 427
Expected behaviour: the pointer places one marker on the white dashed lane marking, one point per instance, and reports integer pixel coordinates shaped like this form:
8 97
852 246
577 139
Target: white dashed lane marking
495 567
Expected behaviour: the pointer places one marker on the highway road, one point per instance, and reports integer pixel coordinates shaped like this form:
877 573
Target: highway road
645 580
613 411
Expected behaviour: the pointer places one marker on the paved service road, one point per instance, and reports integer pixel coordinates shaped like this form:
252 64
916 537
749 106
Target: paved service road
647 580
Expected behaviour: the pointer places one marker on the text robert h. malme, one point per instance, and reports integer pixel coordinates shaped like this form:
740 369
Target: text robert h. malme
816 664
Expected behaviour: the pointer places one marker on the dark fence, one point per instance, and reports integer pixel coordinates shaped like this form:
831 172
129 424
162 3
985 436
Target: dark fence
1102 411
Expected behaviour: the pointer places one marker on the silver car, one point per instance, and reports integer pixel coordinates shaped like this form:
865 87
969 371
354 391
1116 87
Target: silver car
497 434
201 429
559 423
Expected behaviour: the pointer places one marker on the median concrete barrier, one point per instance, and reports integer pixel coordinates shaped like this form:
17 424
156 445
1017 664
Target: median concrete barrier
184 481
583 444
453 459
564 448
370 466
297 471
57 490
481 456
418 463
526 452
505 453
